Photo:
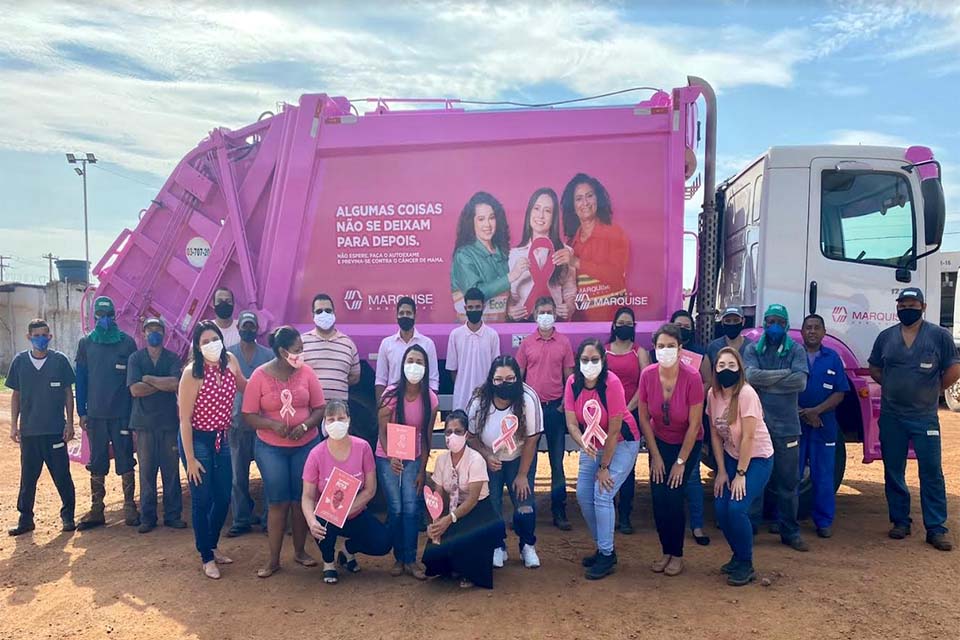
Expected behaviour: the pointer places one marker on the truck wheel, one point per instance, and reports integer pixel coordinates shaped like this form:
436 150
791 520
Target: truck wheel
805 490
952 396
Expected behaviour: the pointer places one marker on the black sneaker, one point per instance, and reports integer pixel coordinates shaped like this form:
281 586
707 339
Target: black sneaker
625 526
560 521
21 528
797 544
824 532
589 561
939 542
68 526
730 566
175 524
602 567
146 527
899 531
742 574
235 531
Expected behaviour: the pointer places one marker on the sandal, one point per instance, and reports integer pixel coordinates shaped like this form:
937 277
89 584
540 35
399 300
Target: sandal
219 558
660 565
330 576
674 567
416 570
211 570
305 560
350 565
397 569
466 584
266 572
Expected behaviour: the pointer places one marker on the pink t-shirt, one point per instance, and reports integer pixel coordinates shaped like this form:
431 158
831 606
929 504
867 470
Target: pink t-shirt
412 416
262 396
455 481
543 361
321 463
748 405
687 392
616 405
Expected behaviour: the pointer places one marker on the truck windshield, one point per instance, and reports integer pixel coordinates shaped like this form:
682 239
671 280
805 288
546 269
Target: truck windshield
867 216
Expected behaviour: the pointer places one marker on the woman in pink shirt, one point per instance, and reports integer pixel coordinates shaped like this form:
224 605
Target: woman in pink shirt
671 414
598 421
284 403
461 542
740 432
410 403
362 531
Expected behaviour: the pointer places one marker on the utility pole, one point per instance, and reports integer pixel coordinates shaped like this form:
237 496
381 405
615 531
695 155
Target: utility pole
82 172
50 258
3 265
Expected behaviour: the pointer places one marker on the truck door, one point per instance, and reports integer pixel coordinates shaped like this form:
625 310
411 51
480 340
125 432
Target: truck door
865 229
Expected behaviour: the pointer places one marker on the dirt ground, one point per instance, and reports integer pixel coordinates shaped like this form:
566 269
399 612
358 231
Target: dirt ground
115 583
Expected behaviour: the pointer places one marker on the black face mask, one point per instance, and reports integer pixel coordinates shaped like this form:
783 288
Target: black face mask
909 316
474 316
406 323
248 335
728 378
625 332
507 390
731 331
686 335
224 310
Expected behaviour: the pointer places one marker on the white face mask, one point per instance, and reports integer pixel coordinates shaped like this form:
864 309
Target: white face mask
668 356
324 320
456 442
414 372
212 350
591 370
545 321
337 429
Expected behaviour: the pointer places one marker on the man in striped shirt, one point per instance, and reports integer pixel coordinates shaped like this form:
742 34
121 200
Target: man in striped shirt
332 355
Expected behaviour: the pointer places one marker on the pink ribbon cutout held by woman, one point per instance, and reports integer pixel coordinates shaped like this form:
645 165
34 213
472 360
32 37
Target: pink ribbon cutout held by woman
540 275
508 428
287 411
592 413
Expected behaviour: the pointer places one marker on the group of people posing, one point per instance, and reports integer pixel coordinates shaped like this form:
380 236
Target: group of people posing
769 408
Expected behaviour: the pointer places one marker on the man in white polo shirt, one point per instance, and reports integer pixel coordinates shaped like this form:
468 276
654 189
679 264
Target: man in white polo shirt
392 348
332 355
471 349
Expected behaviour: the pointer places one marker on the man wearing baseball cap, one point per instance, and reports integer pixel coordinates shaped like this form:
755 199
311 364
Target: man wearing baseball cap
777 369
914 361
250 355
103 404
153 375
731 324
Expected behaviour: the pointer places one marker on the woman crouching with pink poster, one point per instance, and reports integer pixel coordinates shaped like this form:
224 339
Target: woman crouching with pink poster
363 532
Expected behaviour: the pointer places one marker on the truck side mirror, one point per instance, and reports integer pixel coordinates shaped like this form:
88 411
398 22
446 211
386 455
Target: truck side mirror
934 210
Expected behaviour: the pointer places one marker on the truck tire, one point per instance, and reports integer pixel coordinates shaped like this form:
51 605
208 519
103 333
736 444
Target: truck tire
806 486
952 396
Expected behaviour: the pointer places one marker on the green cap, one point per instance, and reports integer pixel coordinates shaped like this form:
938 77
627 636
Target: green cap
777 311
103 305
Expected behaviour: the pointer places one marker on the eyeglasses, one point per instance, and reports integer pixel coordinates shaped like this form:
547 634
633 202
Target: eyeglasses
499 381
665 408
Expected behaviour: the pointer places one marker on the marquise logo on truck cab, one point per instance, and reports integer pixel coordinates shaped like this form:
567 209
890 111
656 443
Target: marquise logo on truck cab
353 299
839 314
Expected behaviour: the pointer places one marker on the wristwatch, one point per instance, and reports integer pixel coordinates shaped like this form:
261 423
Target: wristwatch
680 461
453 516
741 472
604 467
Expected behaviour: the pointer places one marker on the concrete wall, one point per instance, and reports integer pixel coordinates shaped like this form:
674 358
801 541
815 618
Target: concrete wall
57 303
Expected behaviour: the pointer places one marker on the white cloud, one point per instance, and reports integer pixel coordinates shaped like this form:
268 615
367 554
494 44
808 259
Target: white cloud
866 137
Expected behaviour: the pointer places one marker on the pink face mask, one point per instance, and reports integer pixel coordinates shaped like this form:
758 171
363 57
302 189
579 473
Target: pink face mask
456 442
295 360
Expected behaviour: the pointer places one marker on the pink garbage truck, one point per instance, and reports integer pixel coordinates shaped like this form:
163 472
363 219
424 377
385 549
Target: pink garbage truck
371 206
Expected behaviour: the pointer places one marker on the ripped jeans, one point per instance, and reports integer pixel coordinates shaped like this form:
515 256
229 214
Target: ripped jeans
524 511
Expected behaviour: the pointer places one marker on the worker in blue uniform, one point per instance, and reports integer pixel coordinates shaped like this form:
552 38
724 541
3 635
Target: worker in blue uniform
826 386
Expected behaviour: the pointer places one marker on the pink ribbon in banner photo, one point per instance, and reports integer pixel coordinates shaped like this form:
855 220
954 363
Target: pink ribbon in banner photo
592 414
287 411
508 432
540 274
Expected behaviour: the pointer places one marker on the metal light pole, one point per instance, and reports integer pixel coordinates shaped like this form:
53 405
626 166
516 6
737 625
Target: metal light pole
82 172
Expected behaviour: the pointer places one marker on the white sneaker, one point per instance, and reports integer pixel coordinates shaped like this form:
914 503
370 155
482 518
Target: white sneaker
499 557
530 558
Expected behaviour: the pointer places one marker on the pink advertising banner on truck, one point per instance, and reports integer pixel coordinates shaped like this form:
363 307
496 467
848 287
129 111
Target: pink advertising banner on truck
582 221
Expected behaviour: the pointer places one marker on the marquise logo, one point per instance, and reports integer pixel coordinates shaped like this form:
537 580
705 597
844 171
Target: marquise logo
582 302
840 314
353 299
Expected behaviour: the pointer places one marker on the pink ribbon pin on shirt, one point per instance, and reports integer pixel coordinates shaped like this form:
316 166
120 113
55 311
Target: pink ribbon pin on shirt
592 413
508 428
286 411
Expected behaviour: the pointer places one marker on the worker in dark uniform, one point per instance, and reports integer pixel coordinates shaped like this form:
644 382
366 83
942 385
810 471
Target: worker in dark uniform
153 375
103 403
914 361
826 386
41 421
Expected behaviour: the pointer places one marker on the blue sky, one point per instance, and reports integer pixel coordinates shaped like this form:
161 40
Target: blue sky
139 86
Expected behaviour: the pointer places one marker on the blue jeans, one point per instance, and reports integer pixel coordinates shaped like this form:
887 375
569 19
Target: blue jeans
555 431
282 469
693 491
596 503
401 494
524 511
818 448
896 433
242 442
734 515
210 500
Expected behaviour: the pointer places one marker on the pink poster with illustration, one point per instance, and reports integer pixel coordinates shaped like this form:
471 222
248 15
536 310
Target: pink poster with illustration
401 441
338 497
